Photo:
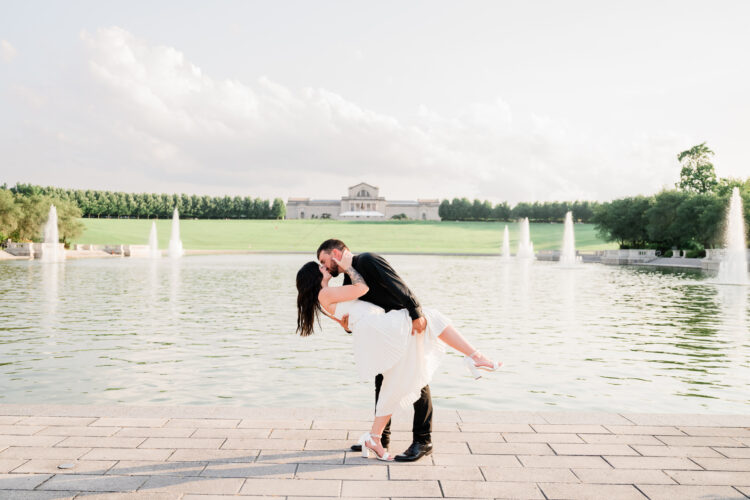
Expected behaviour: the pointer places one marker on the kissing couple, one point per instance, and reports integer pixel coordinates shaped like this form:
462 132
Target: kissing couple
396 341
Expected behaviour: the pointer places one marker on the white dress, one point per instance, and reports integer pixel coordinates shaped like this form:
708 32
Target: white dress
383 344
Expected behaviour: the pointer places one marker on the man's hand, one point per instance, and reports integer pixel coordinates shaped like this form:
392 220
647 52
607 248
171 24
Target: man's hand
345 323
418 325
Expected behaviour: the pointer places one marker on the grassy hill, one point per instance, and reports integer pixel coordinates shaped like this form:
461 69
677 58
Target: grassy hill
305 235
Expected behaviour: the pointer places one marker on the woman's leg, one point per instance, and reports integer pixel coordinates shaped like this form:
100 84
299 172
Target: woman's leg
377 430
453 338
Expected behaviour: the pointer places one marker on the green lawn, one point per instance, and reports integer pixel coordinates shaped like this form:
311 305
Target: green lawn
305 235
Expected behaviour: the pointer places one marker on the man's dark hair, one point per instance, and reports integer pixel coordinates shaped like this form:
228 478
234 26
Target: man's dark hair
329 245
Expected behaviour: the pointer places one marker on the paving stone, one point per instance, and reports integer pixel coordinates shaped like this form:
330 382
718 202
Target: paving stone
574 429
125 454
66 430
699 441
355 458
682 492
623 476
499 427
9 464
196 455
129 422
716 431
593 449
490 489
744 490
542 437
676 451
191 496
275 424
301 457
99 442
357 472
263 444
440 472
489 460
227 486
231 433
504 417
67 421
309 434
732 452
511 449
50 466
710 478
9 419
155 468
20 430
183 443
443 448
37 495
265 470
581 417
145 432
38 452
554 491
392 488
621 439
671 419
203 423
662 430
652 463
729 464
90 482
311 487
556 462
138 495
532 475
22 481
15 440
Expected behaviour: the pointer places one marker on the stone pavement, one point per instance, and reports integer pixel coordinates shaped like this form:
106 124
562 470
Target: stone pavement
202 453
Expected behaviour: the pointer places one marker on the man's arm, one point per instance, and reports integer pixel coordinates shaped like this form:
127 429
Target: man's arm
375 265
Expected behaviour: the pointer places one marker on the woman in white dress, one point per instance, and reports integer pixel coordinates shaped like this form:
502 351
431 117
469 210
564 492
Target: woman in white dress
383 343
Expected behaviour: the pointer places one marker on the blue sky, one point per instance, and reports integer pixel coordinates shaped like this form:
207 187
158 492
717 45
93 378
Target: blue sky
497 100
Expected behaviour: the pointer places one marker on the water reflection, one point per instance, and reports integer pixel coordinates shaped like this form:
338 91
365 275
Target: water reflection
220 330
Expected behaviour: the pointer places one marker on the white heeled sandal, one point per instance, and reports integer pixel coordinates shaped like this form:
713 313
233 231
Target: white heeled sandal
474 369
367 438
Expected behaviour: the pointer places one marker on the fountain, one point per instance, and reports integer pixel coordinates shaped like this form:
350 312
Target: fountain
51 251
733 266
175 244
525 246
506 244
153 243
568 255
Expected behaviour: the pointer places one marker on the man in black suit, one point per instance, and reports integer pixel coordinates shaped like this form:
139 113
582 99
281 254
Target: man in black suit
388 290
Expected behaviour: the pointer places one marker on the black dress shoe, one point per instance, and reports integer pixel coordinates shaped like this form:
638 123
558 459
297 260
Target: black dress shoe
414 452
358 447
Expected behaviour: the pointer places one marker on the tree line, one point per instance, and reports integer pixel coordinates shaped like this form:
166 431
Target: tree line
149 205
690 217
461 209
22 216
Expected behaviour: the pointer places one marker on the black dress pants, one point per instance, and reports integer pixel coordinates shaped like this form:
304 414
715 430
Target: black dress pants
422 425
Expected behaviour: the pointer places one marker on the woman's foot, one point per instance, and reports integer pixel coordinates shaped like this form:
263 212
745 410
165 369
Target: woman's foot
372 442
477 361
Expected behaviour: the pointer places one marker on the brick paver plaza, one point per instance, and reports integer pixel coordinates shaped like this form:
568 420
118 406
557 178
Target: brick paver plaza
203 453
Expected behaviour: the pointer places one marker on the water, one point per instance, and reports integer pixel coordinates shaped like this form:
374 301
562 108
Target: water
220 330
175 243
733 267
51 250
525 246
568 255
506 244
153 243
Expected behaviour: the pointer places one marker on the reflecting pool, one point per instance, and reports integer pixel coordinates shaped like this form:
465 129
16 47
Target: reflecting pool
220 330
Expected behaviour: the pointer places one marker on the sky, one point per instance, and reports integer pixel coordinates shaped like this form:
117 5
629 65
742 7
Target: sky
498 100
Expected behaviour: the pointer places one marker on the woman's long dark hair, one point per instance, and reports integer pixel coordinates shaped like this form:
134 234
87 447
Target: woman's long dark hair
308 306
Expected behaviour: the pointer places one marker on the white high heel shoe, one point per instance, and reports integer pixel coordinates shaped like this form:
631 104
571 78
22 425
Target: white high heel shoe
474 369
367 437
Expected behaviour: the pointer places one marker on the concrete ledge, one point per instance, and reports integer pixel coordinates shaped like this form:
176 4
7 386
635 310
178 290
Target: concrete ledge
219 452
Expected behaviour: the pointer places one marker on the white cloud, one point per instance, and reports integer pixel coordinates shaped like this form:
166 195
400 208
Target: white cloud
162 119
7 51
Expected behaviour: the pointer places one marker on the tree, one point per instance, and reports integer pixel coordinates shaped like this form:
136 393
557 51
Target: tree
623 221
278 210
697 174
9 214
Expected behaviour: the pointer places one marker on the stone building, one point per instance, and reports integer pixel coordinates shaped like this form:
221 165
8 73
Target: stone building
362 202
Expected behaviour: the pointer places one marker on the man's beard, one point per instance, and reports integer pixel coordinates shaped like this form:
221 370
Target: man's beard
333 272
